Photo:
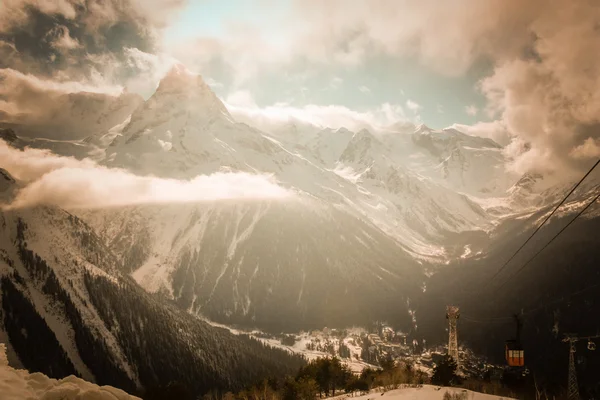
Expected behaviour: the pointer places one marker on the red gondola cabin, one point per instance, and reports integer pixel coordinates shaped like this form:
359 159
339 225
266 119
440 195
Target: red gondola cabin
515 356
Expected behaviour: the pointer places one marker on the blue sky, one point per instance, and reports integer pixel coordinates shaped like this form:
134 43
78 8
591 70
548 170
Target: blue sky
377 79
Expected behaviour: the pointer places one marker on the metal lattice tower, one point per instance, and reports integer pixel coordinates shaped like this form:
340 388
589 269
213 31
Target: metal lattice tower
573 388
452 314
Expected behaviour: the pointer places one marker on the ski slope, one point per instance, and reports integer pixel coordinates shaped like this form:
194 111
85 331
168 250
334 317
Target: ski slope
426 392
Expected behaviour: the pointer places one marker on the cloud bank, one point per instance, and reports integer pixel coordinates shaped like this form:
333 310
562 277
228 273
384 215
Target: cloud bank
49 179
243 108
277 116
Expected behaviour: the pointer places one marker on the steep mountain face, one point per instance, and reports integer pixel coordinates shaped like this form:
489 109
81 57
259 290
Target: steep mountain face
175 133
66 309
276 265
7 186
470 164
402 201
323 146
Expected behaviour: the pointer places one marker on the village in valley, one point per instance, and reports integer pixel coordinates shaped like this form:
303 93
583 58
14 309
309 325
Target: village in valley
361 348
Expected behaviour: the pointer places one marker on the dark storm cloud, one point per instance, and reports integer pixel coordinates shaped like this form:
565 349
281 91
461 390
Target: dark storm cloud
76 38
50 50
35 39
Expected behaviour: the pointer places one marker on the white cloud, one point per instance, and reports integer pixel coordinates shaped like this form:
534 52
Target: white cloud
413 106
13 81
166 146
149 70
471 110
551 102
446 37
440 109
589 149
61 109
364 89
331 116
69 183
213 83
241 99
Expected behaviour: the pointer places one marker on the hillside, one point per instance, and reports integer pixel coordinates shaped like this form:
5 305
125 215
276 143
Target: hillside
68 310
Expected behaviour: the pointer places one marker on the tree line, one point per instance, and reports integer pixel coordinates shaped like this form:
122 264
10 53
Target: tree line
319 378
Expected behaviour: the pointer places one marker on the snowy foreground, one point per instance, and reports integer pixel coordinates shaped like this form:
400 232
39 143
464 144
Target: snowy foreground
16 384
426 392
21 385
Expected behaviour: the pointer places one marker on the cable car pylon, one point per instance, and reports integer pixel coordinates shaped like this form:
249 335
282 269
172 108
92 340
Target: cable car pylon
573 387
452 314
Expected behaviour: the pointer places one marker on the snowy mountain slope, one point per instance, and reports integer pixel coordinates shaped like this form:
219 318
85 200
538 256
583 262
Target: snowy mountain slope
400 198
29 241
62 302
471 164
322 146
246 262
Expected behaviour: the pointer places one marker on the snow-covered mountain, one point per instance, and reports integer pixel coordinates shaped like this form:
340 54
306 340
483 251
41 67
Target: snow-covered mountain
277 265
466 163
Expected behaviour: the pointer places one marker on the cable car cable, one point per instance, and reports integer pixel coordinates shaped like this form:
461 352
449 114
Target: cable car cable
545 220
488 321
559 300
543 304
551 240
534 256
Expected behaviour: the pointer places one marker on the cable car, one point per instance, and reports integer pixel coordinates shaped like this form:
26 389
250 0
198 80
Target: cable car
514 352
591 345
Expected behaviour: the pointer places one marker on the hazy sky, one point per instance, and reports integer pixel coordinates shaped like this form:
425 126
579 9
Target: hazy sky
525 73
440 100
